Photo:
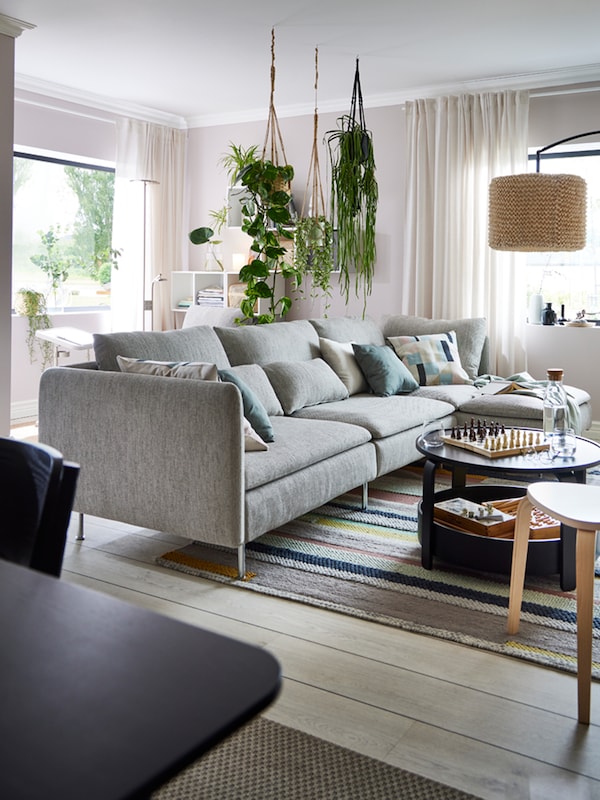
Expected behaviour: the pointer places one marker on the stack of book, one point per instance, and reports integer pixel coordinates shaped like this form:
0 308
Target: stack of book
210 296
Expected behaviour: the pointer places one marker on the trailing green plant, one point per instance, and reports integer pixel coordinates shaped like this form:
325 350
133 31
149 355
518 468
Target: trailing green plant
354 196
32 304
314 254
265 215
313 234
237 159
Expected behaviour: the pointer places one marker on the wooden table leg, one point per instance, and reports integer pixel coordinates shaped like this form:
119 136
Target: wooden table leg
519 562
586 554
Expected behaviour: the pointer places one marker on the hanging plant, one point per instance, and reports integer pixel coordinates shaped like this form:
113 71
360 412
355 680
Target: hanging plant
313 235
267 218
32 304
354 195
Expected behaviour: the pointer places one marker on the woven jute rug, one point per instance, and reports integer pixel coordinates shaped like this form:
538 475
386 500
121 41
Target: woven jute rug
368 564
268 761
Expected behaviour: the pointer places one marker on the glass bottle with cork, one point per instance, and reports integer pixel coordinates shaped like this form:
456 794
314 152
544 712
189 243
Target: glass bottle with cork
555 403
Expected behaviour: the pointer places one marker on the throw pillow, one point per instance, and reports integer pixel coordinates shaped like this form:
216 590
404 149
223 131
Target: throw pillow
196 370
254 411
299 384
385 373
432 359
471 336
341 359
252 441
255 378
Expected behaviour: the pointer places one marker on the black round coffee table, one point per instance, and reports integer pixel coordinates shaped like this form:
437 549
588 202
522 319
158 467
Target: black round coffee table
486 553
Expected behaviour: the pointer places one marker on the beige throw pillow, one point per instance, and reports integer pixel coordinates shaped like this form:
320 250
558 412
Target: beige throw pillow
196 370
340 357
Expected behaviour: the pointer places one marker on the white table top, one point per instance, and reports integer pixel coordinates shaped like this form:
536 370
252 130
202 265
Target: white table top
67 338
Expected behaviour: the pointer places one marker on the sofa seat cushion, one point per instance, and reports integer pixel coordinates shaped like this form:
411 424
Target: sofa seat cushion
381 416
454 393
520 408
471 336
298 444
263 344
192 344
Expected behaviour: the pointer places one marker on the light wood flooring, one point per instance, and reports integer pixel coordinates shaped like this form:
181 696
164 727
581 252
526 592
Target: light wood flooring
487 724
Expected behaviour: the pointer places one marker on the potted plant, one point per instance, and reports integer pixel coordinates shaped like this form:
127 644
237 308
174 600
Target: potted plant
354 195
32 304
204 235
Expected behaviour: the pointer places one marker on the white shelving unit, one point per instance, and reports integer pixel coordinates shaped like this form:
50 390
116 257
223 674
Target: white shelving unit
211 289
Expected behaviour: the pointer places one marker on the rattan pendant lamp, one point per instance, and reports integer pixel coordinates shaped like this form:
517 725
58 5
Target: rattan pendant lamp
538 212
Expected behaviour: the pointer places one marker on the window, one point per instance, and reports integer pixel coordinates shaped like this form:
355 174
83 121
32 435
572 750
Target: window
62 231
571 279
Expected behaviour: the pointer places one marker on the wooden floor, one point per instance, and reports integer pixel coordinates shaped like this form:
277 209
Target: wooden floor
487 724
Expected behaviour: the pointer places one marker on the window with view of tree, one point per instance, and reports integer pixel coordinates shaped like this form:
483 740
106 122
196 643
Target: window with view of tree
62 231
571 279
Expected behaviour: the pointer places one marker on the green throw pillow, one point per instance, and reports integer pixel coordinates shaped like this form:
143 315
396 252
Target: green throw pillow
385 373
254 411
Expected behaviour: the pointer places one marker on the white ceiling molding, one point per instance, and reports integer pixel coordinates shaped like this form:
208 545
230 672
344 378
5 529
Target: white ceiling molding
10 26
66 94
532 81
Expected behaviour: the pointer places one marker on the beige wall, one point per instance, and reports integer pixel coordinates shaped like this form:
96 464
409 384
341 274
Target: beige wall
91 133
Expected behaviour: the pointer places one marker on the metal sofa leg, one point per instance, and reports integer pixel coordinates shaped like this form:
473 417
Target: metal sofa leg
80 533
241 553
365 495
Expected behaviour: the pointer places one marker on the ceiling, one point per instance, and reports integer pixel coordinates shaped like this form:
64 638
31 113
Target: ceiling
200 62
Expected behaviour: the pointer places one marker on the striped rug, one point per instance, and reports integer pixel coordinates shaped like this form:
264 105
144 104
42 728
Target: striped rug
368 564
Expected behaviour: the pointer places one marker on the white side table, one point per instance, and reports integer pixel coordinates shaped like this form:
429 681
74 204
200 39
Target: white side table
66 339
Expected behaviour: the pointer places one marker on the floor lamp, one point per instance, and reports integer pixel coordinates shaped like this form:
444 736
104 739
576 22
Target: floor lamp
160 278
146 304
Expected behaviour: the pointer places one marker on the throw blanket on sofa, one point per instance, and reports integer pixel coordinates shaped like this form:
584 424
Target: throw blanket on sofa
523 383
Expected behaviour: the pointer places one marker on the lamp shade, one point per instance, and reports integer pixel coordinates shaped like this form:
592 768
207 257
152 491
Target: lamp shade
536 212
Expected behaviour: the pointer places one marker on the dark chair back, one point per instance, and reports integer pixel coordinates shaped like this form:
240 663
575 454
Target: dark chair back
37 490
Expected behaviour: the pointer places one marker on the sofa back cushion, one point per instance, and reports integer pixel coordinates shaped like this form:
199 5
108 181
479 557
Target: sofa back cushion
349 329
192 344
306 383
264 344
471 336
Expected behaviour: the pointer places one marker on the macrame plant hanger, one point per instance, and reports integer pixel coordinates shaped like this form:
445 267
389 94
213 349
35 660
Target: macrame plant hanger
273 138
314 188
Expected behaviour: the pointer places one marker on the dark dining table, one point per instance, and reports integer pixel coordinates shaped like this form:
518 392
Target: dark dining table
102 699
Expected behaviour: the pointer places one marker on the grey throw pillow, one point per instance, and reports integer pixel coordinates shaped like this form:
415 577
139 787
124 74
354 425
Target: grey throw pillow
299 384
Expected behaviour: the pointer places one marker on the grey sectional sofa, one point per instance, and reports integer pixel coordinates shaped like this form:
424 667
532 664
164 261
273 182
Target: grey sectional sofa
171 454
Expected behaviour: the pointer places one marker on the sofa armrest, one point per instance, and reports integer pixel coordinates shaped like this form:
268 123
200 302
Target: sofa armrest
162 453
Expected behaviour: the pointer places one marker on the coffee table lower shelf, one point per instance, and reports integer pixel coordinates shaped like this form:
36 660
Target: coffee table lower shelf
491 554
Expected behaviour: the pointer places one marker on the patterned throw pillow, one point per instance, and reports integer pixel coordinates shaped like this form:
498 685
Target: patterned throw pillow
432 359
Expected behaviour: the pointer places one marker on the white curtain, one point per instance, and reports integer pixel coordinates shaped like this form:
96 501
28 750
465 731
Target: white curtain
455 146
149 224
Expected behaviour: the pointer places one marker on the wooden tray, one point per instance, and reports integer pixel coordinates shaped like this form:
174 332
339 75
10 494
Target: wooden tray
451 513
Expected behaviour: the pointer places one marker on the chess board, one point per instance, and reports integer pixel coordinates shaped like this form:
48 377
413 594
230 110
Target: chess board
509 442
